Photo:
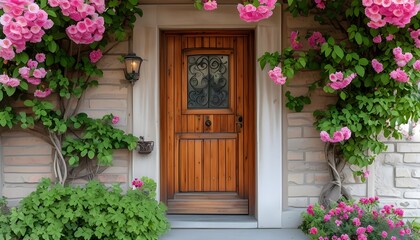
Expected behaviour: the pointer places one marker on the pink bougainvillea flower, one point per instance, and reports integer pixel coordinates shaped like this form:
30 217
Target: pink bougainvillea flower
4 78
394 12
276 76
416 65
310 210
136 183
338 136
316 40
115 119
377 66
320 4
338 81
40 57
313 230
390 37
210 5
251 13
95 56
294 40
13 82
42 94
399 75
377 39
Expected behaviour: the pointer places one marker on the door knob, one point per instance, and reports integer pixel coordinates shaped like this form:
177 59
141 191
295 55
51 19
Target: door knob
208 123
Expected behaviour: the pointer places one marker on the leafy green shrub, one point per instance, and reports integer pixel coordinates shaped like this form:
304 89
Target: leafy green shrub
90 212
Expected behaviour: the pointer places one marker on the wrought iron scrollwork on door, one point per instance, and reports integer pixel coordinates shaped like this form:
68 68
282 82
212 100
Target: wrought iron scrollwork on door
208 81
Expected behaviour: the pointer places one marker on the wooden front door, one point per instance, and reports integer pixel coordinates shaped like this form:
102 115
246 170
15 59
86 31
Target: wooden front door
207 122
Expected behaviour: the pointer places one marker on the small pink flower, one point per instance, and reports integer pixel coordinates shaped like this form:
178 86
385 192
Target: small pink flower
42 94
344 237
296 45
384 234
327 217
389 37
366 174
325 137
377 39
356 222
32 64
399 75
316 40
210 5
338 222
95 56
360 230
115 119
13 82
416 65
313 230
276 76
377 66
40 57
137 183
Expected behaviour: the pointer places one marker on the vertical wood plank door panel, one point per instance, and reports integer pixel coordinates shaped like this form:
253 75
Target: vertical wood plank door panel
208 121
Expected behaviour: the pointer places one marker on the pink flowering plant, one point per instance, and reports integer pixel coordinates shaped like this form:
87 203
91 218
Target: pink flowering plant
373 69
48 55
348 220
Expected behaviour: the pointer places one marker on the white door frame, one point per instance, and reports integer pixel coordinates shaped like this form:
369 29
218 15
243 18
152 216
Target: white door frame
269 189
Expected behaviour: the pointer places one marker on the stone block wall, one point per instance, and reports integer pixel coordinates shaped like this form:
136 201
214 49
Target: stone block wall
25 158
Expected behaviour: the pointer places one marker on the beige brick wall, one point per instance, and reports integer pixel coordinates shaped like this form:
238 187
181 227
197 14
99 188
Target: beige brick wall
395 176
304 161
25 159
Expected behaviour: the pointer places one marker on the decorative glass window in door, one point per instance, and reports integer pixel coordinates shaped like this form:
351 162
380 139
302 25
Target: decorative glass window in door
208 81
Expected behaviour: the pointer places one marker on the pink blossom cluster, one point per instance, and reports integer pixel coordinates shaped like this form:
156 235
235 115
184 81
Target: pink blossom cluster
89 26
23 21
115 119
399 75
354 219
320 4
8 81
416 65
277 76
294 40
338 136
338 81
377 66
137 183
400 58
316 40
42 93
250 13
378 38
395 12
31 72
415 35
210 5
95 55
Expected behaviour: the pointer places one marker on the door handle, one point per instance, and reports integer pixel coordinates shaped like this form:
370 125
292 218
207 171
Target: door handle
207 123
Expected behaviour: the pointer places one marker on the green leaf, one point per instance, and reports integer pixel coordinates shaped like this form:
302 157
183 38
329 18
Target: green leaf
52 46
51 13
91 154
134 2
359 38
343 95
363 62
9 90
1 95
338 51
360 70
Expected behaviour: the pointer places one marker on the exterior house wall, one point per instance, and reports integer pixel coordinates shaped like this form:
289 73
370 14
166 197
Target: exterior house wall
395 176
288 138
25 158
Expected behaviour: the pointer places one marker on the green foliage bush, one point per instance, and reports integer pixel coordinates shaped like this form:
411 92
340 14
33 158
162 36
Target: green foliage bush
90 212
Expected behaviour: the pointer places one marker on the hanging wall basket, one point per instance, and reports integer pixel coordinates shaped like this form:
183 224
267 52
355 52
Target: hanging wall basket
145 147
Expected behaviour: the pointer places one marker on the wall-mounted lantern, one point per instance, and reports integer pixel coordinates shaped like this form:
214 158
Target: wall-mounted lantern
132 67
